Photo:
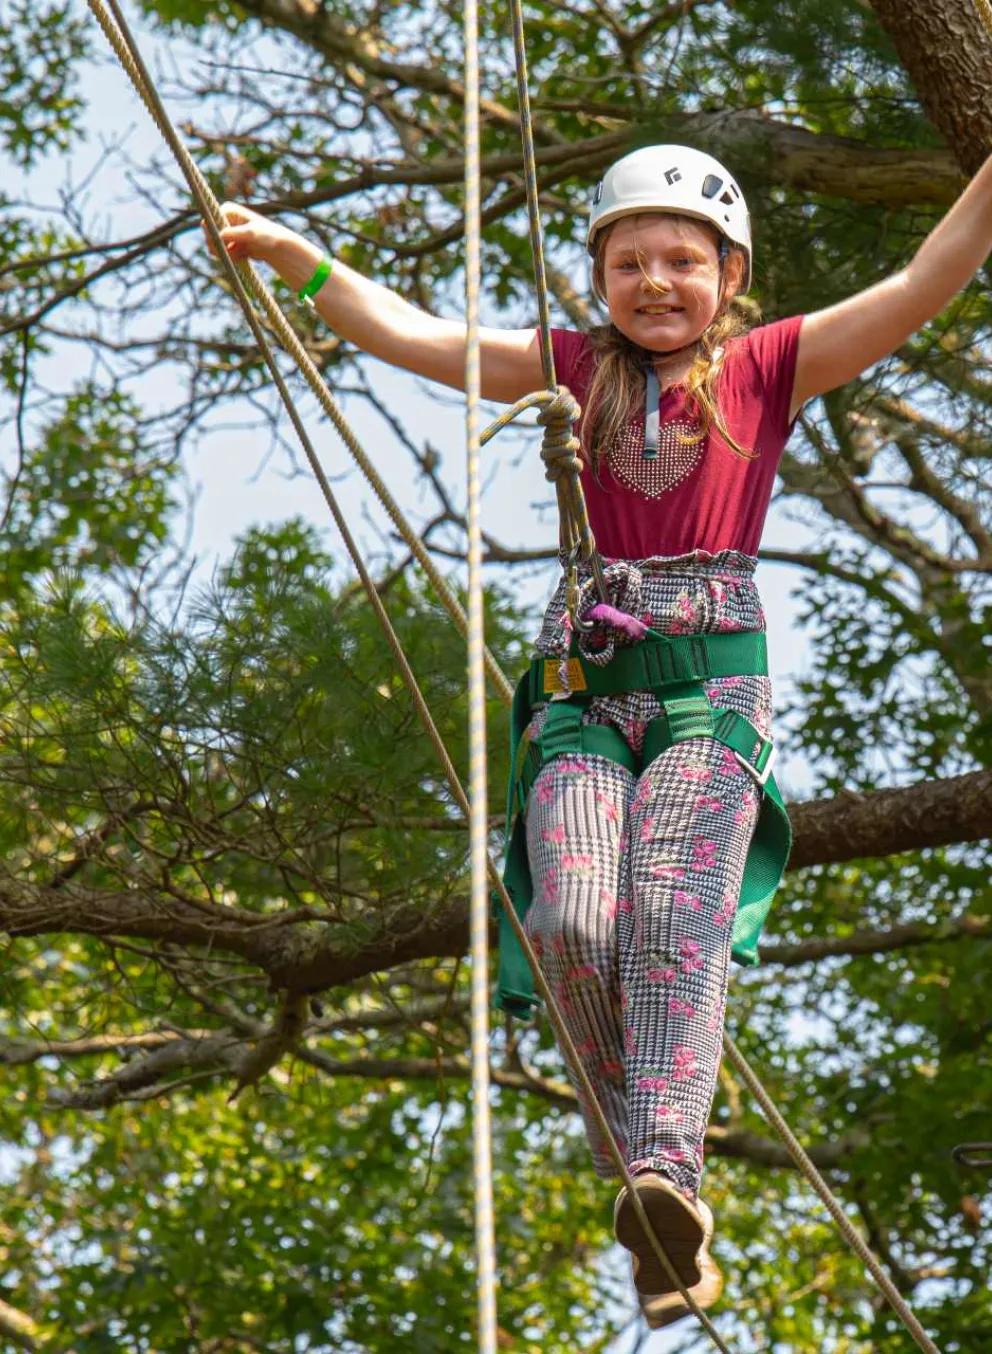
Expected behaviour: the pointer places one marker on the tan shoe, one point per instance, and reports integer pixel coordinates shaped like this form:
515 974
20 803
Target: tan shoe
664 1309
679 1225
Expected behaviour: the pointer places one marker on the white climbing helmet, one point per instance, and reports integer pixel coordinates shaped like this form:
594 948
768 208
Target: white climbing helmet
673 179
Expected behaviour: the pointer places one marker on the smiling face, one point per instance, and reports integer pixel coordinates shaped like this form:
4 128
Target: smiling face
661 279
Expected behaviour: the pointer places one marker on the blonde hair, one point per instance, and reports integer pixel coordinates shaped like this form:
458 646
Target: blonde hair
616 391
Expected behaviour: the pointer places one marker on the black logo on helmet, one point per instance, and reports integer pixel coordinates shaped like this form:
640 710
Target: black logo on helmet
672 176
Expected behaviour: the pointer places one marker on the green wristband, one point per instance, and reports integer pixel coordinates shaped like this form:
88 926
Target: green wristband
310 289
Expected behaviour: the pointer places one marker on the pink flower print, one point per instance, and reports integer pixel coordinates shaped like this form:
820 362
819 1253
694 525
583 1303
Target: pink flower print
729 765
624 905
587 1048
549 885
684 1062
709 802
713 692
661 975
726 911
692 960
698 775
571 765
647 618
728 683
689 900
668 872
669 1114
609 901
623 845
652 1082
682 1008
581 863
545 790
698 1155
642 796
580 973
554 834
749 803
703 853
672 1154
608 807
630 1042
718 591
686 609
635 729
558 944
647 829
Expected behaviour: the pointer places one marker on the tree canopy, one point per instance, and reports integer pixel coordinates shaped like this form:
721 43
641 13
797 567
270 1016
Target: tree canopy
234 1021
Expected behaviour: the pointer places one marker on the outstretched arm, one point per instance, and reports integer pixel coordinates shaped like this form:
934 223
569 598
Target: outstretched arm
380 322
838 343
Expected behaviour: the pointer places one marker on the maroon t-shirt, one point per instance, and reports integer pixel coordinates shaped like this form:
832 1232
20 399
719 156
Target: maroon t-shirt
698 495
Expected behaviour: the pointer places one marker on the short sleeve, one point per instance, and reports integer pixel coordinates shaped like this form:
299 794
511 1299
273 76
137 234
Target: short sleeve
571 353
773 348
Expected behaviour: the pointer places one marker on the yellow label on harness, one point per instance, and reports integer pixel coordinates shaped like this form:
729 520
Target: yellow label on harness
552 681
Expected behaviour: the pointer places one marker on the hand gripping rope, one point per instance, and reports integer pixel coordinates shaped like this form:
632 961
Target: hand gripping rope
578 537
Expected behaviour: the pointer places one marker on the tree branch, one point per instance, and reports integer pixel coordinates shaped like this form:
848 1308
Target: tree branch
876 942
18 1327
303 950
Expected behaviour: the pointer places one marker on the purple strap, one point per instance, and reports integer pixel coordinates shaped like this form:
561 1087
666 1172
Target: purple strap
609 615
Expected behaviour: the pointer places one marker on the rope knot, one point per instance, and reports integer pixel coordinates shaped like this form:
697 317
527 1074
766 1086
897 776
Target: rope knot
560 449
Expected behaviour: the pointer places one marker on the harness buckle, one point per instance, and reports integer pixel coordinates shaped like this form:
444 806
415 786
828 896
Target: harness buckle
761 772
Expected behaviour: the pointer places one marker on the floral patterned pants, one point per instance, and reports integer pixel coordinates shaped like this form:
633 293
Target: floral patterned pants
636 882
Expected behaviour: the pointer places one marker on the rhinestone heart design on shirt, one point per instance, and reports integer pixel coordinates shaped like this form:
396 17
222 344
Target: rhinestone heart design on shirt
653 477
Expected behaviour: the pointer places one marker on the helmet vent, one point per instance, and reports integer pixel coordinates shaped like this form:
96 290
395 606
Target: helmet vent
726 198
712 185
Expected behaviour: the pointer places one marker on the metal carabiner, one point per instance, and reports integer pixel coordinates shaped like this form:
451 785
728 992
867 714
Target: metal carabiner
975 1155
573 600
599 577
573 591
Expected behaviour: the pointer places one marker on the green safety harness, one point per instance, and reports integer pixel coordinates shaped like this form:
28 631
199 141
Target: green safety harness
674 669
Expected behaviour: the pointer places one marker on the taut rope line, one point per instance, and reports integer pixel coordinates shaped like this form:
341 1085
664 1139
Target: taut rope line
847 1229
485 1246
126 50
133 64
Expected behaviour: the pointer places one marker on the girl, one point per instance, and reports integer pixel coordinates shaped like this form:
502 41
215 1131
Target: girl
637 869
